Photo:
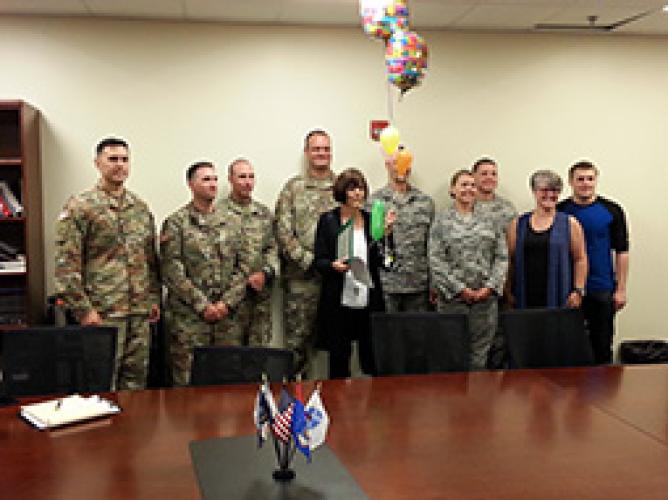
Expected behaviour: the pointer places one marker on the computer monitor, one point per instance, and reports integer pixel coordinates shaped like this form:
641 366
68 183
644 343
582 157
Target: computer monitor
57 360
237 365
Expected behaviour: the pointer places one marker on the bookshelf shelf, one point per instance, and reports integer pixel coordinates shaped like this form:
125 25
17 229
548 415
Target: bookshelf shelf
22 297
10 162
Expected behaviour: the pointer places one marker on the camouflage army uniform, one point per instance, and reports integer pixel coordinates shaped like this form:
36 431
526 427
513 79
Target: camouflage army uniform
501 212
298 209
252 318
200 257
406 284
467 252
106 260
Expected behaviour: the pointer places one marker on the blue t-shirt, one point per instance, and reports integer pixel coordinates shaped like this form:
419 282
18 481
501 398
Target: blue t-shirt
604 226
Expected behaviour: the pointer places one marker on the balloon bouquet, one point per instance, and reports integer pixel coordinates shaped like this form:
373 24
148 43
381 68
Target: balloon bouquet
405 61
405 51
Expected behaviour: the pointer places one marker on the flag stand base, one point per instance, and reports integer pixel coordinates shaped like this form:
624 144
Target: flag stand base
283 475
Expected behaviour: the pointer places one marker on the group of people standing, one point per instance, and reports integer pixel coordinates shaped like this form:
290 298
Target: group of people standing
218 259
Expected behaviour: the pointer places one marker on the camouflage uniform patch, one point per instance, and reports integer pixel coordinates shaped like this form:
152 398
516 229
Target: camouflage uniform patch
501 212
106 260
406 302
133 343
405 285
482 319
298 209
255 223
468 252
201 265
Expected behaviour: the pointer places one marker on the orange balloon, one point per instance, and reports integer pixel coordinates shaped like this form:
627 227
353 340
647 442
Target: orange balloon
404 162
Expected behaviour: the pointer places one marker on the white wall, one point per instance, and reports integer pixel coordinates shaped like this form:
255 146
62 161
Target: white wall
181 92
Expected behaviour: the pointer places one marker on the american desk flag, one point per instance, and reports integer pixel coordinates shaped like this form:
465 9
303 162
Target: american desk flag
282 426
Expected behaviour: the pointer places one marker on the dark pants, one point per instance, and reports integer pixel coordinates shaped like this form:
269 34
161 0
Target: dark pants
599 313
352 324
497 358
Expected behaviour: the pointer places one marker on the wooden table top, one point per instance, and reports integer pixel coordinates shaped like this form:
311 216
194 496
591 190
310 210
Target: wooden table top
550 434
637 395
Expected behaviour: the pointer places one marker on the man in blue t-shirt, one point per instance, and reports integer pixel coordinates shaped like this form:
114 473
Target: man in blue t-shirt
606 233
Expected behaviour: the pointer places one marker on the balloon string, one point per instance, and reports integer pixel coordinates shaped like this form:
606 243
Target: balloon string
390 104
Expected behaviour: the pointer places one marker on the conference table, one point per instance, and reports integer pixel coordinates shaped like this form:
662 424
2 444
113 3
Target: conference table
567 433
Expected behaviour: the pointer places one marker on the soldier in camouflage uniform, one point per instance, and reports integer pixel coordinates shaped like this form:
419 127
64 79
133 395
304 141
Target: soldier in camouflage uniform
501 212
200 254
252 318
406 284
468 261
299 205
106 269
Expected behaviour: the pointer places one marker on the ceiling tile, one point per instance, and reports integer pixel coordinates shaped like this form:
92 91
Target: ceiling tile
438 14
47 7
580 15
506 16
137 8
233 10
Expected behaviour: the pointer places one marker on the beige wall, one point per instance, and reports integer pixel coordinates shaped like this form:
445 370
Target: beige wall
182 92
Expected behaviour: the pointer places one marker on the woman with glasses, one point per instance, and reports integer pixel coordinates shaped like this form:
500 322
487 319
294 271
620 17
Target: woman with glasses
547 251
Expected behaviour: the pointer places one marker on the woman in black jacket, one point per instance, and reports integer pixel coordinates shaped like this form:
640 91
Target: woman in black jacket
346 303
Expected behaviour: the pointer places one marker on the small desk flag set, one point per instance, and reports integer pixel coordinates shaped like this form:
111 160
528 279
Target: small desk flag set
293 424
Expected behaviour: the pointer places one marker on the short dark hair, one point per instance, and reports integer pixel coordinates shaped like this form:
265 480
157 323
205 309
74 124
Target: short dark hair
315 131
110 142
482 161
350 178
581 165
192 169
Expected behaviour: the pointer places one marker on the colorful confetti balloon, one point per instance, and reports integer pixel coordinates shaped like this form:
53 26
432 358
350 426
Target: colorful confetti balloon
381 18
405 59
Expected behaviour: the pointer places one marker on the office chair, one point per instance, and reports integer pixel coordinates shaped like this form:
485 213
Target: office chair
237 365
58 360
414 343
539 338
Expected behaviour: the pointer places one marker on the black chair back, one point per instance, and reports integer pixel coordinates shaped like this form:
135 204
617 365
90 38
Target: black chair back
414 343
237 365
57 360
540 338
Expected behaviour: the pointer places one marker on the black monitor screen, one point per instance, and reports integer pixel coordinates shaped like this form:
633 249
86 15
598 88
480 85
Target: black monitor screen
50 360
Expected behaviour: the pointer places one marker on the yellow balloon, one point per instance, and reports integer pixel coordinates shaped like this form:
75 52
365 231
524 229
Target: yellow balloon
389 139
404 162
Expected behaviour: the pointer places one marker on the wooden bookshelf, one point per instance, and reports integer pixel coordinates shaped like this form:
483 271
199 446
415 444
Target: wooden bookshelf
22 297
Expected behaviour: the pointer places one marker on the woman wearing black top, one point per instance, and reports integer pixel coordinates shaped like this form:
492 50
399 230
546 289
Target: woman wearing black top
547 250
346 303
